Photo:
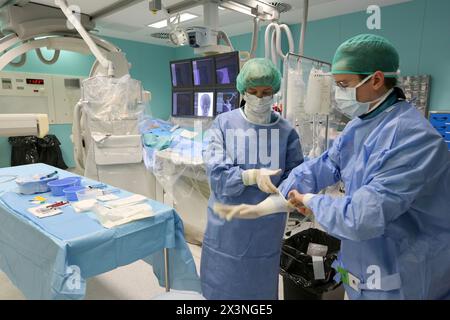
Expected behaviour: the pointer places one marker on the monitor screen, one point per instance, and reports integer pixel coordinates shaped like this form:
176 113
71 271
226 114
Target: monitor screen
227 100
203 72
227 69
181 74
204 104
182 104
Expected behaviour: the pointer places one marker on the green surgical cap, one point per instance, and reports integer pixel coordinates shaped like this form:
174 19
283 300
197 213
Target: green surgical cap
258 73
366 54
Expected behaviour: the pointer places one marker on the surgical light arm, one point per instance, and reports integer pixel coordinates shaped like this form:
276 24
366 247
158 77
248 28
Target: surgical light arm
107 64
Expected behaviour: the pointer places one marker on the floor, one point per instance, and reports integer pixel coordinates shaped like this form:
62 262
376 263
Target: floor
124 283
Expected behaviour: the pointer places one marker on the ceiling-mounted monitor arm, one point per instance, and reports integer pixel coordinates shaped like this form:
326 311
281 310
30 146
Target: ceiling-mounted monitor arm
105 63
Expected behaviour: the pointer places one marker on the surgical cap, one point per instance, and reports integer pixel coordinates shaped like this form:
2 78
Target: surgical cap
258 73
366 54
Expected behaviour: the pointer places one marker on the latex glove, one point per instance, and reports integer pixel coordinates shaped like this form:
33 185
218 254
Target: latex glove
273 204
298 201
261 177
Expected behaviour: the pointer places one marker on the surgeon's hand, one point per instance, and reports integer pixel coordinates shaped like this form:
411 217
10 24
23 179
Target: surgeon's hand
261 177
296 199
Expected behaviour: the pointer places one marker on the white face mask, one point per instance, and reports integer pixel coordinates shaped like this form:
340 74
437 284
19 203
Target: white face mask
258 110
258 105
347 101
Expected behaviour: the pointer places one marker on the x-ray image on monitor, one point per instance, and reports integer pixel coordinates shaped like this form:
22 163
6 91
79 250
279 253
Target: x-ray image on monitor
227 69
182 104
204 104
203 72
181 74
227 100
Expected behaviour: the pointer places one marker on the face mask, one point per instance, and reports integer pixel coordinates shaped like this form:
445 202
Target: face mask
258 110
347 102
258 105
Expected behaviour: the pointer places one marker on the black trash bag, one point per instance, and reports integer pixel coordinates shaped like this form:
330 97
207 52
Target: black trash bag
297 266
24 150
50 152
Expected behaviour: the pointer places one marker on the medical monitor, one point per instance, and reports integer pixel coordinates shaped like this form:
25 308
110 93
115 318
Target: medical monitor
182 104
204 104
204 87
181 74
227 68
203 72
227 100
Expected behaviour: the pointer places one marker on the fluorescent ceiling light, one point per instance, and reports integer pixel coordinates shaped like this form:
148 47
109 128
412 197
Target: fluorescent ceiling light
183 18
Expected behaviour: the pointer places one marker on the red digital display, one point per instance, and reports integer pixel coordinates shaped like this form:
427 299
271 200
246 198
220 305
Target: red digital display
40 82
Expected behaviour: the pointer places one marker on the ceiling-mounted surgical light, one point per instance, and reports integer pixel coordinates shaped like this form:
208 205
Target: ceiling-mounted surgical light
178 36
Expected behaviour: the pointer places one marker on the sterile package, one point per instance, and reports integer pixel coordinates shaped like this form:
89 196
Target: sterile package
84 206
134 199
44 212
111 218
108 197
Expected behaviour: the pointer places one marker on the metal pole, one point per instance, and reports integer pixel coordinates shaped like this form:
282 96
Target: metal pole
301 48
166 269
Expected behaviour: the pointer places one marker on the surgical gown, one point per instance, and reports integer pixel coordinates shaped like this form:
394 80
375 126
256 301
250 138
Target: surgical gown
394 220
241 258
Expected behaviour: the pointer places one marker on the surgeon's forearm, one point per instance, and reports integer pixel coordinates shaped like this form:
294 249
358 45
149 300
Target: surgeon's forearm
346 219
311 176
227 182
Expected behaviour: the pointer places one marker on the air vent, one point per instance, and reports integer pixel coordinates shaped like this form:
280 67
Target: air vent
72 83
281 6
160 35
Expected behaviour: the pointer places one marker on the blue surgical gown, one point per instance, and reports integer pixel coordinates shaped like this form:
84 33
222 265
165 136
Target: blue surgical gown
241 258
394 220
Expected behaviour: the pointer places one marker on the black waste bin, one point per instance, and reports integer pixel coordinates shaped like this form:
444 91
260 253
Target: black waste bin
297 266
24 150
31 149
50 152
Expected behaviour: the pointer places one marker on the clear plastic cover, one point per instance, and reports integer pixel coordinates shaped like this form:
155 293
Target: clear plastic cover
318 125
173 153
112 109
113 106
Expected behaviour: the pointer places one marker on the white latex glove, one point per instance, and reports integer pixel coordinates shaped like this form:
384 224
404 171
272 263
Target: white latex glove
261 177
274 204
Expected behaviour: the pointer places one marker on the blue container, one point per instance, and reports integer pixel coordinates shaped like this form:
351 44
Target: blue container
57 187
71 193
28 185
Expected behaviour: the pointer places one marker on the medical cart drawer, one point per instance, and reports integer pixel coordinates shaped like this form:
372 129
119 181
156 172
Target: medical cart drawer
441 127
447 136
440 118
